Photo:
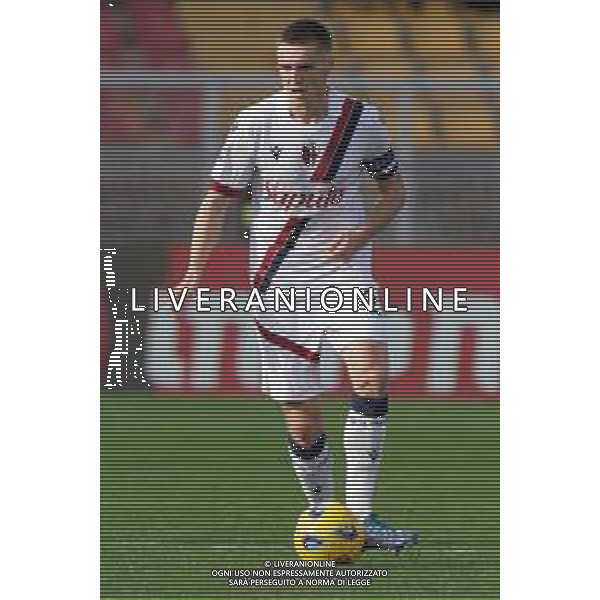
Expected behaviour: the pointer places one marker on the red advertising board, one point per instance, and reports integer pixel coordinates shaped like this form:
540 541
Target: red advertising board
433 354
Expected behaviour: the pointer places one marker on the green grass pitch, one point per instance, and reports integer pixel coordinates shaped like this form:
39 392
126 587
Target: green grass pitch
189 486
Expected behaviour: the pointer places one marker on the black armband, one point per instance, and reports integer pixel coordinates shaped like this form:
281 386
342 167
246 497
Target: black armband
382 166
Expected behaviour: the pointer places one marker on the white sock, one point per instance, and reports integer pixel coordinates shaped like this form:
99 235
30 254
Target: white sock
364 436
313 469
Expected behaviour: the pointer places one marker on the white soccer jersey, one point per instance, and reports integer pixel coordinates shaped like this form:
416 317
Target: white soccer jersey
306 190
305 182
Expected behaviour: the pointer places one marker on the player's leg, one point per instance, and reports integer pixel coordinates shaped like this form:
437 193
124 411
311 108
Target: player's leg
308 449
366 422
364 434
293 381
304 421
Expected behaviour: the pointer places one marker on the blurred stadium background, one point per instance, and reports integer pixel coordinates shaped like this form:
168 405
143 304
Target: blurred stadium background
187 487
174 74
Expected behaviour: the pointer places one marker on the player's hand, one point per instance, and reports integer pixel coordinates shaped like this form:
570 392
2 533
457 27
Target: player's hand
345 246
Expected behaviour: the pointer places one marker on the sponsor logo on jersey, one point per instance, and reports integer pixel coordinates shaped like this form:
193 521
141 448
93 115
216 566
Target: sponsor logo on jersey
293 199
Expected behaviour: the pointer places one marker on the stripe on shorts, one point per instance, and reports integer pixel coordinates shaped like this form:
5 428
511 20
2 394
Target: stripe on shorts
286 343
339 141
277 251
225 190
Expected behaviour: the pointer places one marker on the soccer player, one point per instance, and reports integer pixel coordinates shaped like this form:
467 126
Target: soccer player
303 151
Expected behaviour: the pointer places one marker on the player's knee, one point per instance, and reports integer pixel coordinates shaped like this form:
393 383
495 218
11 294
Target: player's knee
370 406
370 387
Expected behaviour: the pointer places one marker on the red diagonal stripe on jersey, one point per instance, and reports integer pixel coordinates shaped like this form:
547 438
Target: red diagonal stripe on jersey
287 344
278 249
336 136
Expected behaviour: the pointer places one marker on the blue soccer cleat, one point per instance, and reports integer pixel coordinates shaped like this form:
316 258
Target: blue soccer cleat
379 535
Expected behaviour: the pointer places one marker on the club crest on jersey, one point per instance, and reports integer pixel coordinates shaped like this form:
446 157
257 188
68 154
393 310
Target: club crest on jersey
275 151
309 154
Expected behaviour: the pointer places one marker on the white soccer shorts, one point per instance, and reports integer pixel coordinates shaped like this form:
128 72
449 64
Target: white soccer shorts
291 346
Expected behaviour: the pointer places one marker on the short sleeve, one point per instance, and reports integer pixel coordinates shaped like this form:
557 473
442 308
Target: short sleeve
232 171
378 158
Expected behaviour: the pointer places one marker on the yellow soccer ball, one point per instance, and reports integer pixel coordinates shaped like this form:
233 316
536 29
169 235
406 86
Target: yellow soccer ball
330 532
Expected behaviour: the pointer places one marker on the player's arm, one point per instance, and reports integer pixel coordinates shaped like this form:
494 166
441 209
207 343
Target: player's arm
230 178
389 201
208 228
